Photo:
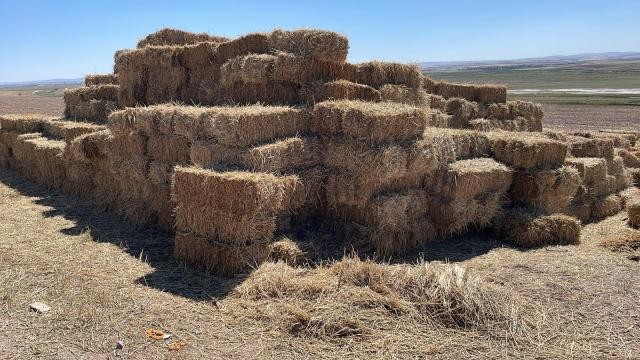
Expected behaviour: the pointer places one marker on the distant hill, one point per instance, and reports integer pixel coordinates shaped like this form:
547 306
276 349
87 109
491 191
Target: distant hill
554 60
43 83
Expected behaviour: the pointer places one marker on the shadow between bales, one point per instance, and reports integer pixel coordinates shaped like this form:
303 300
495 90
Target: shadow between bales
150 245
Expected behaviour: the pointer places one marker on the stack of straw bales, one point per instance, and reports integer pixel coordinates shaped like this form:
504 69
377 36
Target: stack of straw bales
94 102
286 131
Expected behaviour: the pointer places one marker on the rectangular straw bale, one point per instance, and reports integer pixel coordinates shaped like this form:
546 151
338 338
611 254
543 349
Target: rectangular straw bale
211 154
520 124
549 190
440 120
465 179
527 228
491 93
310 193
629 159
284 155
498 112
240 93
591 169
634 176
170 148
169 36
151 75
92 147
257 43
200 62
41 160
217 257
527 110
462 111
583 147
23 123
372 122
317 44
101 79
405 95
166 119
233 207
69 130
606 206
447 145
252 68
342 90
129 145
300 70
526 150
615 166
377 74
250 125
399 222
458 216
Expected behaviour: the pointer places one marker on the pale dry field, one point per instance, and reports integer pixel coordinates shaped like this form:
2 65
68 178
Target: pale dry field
107 280
591 117
14 102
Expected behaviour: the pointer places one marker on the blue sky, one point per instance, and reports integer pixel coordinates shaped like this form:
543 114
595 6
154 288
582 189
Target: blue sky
67 39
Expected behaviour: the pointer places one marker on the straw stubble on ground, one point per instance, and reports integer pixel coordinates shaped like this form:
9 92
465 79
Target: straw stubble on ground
107 281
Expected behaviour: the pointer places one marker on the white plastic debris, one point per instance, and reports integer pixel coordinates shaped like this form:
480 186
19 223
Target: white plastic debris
39 307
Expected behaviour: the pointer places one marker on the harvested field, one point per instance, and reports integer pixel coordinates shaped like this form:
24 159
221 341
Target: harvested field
591 117
135 284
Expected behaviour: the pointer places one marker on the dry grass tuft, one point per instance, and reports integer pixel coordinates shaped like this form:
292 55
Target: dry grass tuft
349 296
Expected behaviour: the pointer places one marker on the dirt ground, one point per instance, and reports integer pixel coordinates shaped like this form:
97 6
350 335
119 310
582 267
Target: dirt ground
12 103
591 117
107 280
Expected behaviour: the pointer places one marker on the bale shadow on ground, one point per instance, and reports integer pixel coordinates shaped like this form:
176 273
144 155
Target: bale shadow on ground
171 275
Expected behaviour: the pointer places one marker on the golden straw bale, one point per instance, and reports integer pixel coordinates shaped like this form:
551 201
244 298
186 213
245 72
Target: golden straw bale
211 154
170 148
240 93
488 93
233 207
342 90
549 190
527 110
23 123
151 75
221 258
317 44
92 103
252 68
498 112
373 122
530 229
630 159
607 206
447 145
101 79
79 179
615 166
91 147
256 43
283 156
377 74
593 172
40 159
556 135
295 69
399 222
168 36
249 125
464 179
69 130
526 150
462 111
405 95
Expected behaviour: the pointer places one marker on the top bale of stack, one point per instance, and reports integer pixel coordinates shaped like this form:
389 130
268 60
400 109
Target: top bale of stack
168 36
